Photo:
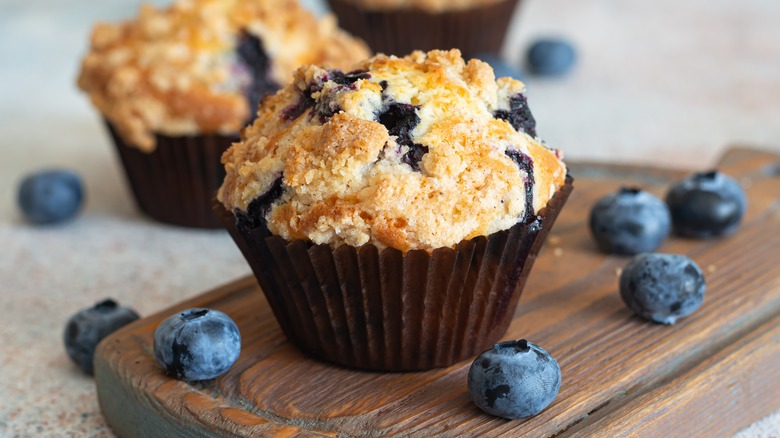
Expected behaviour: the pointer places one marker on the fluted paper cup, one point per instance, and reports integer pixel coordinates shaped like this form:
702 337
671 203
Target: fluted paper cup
385 310
176 182
401 31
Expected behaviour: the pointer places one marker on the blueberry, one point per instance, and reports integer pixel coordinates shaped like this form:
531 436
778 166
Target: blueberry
197 344
629 221
550 57
400 119
348 78
254 216
526 164
89 326
514 379
50 196
519 115
250 50
708 204
662 287
500 67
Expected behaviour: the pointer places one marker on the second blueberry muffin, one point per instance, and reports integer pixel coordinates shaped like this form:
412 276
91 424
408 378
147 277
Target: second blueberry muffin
389 212
175 86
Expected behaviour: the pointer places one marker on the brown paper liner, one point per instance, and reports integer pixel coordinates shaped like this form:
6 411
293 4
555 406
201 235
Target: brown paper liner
176 182
399 32
385 310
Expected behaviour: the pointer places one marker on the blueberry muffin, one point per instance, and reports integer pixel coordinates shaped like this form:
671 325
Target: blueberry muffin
176 85
417 177
400 26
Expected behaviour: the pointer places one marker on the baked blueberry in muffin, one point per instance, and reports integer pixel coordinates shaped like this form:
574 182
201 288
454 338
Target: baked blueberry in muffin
419 152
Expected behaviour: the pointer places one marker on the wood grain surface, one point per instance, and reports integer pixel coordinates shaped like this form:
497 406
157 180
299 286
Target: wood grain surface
710 374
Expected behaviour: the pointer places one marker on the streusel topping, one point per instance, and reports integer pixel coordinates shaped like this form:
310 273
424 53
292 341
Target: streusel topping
200 66
418 152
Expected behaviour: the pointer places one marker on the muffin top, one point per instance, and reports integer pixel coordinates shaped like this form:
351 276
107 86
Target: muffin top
425 5
200 66
418 152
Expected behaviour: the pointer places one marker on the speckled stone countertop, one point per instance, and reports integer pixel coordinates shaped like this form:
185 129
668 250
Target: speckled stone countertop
663 82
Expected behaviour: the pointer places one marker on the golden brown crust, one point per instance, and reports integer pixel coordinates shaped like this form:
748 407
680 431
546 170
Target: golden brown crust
347 180
174 71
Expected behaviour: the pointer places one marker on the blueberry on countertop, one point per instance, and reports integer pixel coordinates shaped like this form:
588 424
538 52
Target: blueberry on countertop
501 68
550 57
89 326
514 379
50 196
662 287
629 221
707 204
197 344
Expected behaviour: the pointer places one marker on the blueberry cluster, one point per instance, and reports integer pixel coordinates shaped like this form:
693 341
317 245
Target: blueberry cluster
632 221
665 287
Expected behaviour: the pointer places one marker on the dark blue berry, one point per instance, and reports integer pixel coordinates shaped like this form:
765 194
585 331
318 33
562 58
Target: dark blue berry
500 67
400 119
254 216
50 196
250 50
519 115
708 204
348 78
662 287
630 221
526 164
550 57
89 326
197 344
514 379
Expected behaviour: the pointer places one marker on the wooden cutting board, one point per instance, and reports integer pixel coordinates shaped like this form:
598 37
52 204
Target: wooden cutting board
710 375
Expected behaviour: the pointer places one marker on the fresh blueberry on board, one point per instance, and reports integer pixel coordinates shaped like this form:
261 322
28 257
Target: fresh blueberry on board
501 68
197 344
629 221
89 326
550 57
514 379
50 196
662 287
707 204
